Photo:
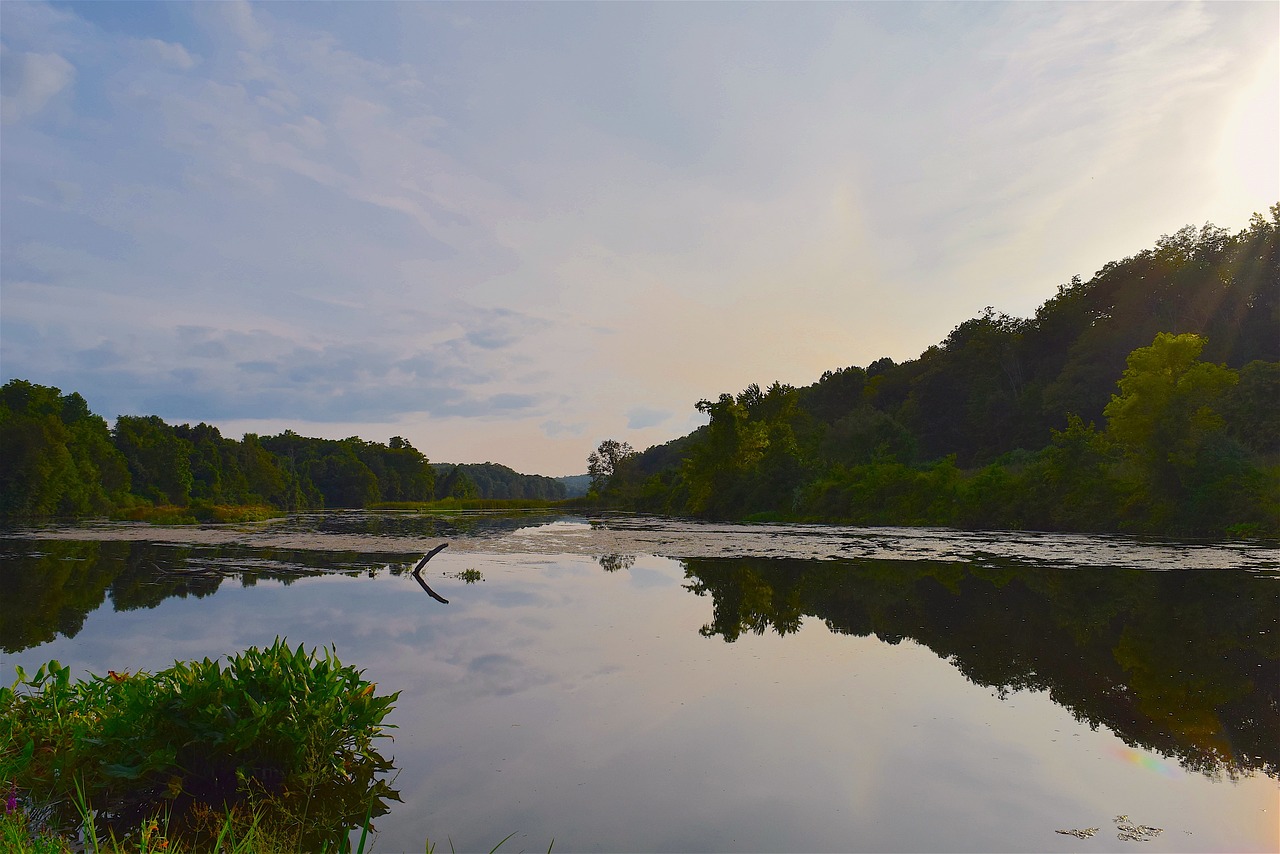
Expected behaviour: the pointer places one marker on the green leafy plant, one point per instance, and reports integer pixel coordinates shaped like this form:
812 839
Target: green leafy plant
288 734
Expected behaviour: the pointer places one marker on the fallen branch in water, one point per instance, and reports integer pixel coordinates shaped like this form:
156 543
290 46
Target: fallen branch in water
417 573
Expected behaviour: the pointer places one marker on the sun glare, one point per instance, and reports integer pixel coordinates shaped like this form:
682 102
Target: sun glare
1248 162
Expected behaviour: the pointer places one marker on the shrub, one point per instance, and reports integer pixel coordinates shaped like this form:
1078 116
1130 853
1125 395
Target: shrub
289 732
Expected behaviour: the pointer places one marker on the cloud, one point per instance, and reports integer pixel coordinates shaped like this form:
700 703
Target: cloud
239 17
362 216
172 54
499 674
29 81
641 417
558 429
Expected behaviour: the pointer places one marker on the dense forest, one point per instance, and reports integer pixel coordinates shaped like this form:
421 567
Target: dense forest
59 459
1145 399
491 480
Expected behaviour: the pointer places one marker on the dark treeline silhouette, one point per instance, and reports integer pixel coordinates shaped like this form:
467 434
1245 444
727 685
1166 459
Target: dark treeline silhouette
59 459
1185 663
1145 399
492 480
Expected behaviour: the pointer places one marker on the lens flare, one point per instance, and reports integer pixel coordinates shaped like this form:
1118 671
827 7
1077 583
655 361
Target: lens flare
1147 761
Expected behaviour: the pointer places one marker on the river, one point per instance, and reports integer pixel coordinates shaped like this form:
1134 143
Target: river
639 684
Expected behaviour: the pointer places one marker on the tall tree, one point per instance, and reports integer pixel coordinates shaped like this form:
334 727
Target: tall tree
608 465
159 460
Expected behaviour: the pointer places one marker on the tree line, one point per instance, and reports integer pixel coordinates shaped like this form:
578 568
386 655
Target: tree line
1145 399
59 459
493 480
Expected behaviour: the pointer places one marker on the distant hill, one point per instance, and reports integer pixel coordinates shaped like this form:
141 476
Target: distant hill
492 480
575 485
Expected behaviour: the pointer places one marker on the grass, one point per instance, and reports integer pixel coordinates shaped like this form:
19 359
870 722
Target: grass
198 512
17 837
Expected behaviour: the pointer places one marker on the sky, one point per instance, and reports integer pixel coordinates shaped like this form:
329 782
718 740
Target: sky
508 231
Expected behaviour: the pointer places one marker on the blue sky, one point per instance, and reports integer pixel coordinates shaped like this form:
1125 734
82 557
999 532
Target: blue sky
509 231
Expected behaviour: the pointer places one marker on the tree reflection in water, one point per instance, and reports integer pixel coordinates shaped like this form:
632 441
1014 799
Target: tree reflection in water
1184 663
51 586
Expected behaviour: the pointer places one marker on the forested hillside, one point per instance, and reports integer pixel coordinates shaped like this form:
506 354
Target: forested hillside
1147 398
59 459
491 480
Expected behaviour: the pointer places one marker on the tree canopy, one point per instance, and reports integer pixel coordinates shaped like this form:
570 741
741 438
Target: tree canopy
1175 351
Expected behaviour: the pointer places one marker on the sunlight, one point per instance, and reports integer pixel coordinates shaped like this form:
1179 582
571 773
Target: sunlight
1247 165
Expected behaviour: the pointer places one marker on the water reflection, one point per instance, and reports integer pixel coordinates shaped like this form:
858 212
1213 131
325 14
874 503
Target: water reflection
50 587
1183 663
613 563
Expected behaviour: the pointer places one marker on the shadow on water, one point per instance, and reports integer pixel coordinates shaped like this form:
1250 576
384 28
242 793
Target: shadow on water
1184 663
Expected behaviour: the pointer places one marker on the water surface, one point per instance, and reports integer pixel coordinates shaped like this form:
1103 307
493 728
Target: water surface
637 684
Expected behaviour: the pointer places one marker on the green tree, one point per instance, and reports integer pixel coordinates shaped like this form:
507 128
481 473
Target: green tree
1168 403
404 473
732 445
1252 407
266 480
55 455
457 484
342 478
159 460
608 466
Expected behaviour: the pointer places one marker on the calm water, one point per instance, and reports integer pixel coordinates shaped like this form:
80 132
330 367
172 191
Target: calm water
649 685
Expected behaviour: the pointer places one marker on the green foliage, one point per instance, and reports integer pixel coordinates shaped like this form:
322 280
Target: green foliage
749 458
1250 408
457 484
1192 414
290 732
1168 399
159 460
18 837
609 467
492 480
56 458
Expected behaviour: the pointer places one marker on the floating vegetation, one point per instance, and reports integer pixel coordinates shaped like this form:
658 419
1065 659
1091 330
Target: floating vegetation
1127 831
469 576
1079 834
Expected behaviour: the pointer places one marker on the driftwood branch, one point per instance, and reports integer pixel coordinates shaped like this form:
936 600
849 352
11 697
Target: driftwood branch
417 573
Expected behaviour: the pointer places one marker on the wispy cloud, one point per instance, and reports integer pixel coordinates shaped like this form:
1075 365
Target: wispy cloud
513 223
641 417
30 81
